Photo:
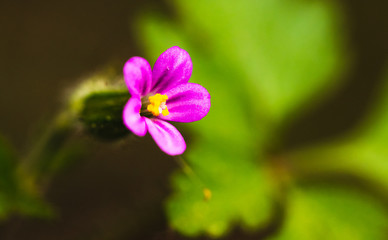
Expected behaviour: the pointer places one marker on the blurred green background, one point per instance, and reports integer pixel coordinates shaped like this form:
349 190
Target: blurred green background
294 146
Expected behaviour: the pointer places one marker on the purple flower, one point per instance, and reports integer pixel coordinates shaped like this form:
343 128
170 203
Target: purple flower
161 94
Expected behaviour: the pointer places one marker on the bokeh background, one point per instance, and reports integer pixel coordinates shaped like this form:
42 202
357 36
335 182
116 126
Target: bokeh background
294 146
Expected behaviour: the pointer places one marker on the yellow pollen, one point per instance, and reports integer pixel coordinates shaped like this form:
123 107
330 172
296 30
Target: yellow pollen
158 105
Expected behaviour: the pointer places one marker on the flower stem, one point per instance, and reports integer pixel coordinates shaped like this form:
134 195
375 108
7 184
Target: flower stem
207 194
40 163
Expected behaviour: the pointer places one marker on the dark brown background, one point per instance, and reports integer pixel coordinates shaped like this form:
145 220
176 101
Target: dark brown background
117 191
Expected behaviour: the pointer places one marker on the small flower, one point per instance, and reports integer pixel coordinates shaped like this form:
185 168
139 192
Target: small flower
163 94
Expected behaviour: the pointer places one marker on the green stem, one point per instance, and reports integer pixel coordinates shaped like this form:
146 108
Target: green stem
38 166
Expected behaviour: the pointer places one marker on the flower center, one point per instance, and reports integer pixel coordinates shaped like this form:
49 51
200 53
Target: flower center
156 105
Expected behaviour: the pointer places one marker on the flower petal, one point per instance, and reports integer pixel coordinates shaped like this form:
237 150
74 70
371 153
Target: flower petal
187 103
137 76
166 136
132 119
173 67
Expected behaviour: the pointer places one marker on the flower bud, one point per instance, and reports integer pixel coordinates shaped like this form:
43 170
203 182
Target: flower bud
99 105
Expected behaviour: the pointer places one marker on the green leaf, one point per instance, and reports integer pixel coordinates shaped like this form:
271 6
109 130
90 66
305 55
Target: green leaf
362 153
238 194
333 213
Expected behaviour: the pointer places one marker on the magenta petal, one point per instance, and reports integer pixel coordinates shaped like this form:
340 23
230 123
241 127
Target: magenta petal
173 67
132 118
166 136
187 103
137 76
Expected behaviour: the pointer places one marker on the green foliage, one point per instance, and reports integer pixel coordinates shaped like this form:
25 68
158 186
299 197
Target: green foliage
333 213
361 158
8 186
98 104
15 196
362 153
261 61
286 51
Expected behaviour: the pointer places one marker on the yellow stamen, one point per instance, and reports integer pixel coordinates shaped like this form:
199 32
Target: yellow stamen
165 112
158 105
